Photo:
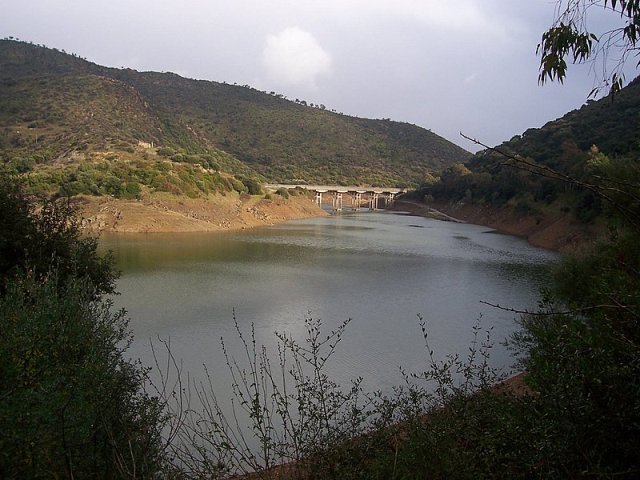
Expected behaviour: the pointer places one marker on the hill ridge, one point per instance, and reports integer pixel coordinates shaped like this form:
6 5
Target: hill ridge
250 133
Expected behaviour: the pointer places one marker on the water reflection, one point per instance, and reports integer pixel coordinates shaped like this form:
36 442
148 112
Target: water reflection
379 269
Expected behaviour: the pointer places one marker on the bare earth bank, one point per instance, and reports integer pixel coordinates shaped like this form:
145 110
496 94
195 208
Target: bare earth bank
161 212
551 232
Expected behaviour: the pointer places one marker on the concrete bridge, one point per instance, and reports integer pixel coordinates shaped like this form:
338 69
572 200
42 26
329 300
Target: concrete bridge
361 197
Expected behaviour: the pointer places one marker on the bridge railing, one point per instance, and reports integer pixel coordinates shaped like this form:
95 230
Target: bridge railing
369 196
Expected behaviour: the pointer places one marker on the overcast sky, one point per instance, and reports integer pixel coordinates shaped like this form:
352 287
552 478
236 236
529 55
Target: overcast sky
468 65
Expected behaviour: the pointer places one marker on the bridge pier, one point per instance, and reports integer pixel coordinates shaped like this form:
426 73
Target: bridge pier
356 201
373 201
337 202
389 199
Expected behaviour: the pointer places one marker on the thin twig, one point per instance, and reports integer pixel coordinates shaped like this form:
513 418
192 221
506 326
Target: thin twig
565 312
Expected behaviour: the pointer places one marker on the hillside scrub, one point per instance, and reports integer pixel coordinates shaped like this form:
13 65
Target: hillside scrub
548 171
126 178
56 108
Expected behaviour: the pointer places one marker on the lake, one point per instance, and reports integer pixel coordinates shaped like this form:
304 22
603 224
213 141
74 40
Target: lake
380 269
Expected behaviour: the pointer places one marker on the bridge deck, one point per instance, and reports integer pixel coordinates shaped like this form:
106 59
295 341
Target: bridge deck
337 188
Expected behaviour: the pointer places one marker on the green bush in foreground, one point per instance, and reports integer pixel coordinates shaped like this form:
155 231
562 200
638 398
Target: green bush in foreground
38 237
71 406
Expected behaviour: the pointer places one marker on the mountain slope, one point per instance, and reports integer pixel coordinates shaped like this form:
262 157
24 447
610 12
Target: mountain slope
599 142
62 105
557 185
287 141
611 124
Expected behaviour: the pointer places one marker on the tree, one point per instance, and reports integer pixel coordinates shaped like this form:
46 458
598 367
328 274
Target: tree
45 235
570 38
71 404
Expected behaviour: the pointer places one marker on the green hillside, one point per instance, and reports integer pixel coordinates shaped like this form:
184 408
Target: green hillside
540 170
57 108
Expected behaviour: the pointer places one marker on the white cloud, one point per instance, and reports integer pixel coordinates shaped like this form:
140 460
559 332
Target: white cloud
471 77
294 57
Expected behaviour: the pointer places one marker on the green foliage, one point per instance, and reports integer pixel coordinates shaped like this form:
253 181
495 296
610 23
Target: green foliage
252 186
71 406
585 363
46 237
569 37
283 192
126 179
65 107
548 169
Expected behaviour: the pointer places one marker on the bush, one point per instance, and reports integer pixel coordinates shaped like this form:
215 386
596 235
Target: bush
294 411
166 151
238 186
283 192
131 190
584 361
71 406
253 186
41 238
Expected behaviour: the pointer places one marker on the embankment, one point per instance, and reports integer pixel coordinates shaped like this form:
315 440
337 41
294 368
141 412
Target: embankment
553 232
169 213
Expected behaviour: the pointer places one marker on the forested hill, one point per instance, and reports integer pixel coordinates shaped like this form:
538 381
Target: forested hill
600 142
58 107
612 124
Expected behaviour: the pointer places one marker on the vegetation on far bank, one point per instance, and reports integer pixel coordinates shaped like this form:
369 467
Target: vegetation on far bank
547 171
58 108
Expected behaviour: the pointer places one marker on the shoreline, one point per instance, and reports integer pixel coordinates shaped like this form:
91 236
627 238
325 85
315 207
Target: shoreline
165 213
557 233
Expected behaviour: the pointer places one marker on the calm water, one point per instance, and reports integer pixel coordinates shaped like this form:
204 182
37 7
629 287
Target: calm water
379 269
